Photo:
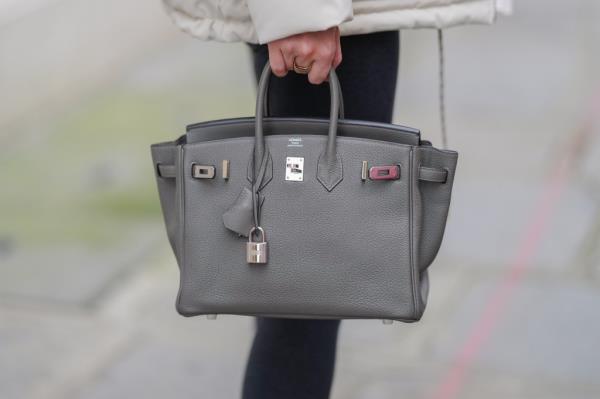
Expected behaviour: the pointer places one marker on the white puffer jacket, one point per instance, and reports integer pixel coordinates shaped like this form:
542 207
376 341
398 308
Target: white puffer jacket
261 21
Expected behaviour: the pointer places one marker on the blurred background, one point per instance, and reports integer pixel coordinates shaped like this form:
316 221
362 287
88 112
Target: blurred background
88 283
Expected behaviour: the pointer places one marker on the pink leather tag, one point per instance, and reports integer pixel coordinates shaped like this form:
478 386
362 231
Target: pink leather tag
388 172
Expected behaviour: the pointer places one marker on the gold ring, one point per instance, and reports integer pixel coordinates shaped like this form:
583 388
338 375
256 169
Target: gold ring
303 70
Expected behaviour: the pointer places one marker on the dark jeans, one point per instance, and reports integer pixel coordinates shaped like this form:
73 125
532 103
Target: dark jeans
295 358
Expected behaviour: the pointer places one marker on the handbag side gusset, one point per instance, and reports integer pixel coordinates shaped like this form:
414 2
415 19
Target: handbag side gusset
165 159
434 201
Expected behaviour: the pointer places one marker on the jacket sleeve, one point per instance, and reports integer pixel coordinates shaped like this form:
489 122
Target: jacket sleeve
276 19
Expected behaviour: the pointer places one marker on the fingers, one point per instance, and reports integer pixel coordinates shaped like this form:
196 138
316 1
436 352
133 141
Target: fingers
319 71
337 58
319 50
321 56
288 56
277 60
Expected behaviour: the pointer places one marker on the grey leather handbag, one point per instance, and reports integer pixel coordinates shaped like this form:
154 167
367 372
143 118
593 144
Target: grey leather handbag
303 217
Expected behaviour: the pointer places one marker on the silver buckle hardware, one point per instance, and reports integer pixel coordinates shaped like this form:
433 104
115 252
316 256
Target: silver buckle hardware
203 171
386 172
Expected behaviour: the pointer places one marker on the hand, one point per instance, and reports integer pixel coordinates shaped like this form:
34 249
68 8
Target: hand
321 49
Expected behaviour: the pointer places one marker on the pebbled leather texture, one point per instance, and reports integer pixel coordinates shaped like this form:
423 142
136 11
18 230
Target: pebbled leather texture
358 250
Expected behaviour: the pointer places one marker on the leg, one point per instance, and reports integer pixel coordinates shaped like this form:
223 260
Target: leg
291 359
295 358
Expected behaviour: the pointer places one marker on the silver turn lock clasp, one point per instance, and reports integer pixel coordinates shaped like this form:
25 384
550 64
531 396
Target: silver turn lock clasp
256 251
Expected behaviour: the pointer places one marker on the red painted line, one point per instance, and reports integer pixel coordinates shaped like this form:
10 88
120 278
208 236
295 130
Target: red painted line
454 379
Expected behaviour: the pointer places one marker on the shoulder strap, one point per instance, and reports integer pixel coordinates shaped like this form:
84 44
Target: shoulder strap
442 101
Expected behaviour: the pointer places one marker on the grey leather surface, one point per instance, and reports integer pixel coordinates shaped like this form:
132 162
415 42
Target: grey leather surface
357 249
238 127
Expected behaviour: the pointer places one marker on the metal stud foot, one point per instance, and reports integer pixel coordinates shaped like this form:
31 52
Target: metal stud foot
387 322
211 317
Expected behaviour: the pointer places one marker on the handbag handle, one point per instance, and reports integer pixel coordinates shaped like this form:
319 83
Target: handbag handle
266 108
329 167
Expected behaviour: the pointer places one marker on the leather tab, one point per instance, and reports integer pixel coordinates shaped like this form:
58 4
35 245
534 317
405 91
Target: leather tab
329 171
386 172
239 218
166 171
433 175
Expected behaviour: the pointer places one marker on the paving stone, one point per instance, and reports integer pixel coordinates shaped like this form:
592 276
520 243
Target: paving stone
494 385
487 222
418 382
186 369
527 348
487 218
590 164
37 347
548 330
72 276
171 355
576 216
391 384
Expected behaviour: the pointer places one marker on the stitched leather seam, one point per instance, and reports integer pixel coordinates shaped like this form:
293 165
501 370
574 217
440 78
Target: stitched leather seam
181 181
411 238
447 175
306 316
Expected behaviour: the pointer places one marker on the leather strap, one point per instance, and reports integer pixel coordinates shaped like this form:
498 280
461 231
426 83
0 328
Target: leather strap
256 184
441 90
166 171
329 167
433 175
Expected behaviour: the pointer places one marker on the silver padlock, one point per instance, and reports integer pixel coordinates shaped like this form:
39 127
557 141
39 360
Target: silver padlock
256 251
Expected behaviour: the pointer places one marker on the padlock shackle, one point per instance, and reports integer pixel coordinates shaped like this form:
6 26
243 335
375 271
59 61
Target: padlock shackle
253 229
